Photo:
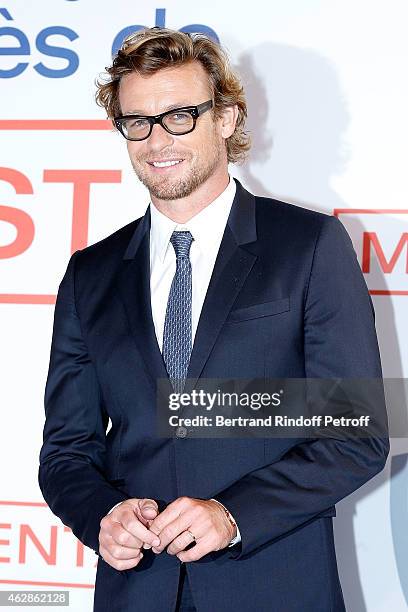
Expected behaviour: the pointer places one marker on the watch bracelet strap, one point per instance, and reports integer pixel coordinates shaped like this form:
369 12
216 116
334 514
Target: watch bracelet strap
230 519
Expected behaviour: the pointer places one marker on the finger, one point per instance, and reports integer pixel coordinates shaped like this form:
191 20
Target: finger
121 552
122 537
173 530
131 523
148 523
119 564
170 514
149 512
194 554
107 541
180 543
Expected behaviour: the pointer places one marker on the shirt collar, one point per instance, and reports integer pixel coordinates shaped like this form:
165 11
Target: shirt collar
206 227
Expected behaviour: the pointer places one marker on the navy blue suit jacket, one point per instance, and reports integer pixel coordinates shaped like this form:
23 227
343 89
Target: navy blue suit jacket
286 299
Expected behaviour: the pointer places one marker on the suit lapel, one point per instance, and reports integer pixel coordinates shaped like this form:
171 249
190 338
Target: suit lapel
134 288
233 264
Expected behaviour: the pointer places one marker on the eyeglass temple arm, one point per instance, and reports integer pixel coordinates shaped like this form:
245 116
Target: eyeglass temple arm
204 106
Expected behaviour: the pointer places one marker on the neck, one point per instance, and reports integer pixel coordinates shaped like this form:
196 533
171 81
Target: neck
184 209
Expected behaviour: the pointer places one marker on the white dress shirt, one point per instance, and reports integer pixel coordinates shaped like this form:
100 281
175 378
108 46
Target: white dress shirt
207 228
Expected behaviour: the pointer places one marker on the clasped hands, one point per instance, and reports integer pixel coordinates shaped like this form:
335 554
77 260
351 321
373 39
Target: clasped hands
136 524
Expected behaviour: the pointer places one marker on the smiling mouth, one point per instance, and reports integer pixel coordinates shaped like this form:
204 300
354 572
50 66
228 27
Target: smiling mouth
165 163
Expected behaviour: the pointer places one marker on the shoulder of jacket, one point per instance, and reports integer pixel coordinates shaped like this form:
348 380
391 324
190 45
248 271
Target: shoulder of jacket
280 218
112 246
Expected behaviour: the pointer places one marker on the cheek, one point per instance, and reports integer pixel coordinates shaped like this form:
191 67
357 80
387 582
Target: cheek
130 150
135 150
207 145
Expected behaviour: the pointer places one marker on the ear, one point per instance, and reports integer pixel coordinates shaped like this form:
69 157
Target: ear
228 120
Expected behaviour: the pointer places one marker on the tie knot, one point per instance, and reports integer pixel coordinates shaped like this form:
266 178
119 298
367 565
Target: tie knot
181 242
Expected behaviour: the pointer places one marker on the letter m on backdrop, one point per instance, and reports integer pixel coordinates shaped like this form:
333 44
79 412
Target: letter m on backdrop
380 239
371 241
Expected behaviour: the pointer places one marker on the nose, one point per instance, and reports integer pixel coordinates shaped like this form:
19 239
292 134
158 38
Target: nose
159 138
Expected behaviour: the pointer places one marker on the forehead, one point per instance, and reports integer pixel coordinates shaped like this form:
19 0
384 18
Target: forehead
183 85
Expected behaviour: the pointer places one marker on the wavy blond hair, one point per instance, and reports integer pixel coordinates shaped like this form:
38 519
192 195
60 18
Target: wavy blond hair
151 49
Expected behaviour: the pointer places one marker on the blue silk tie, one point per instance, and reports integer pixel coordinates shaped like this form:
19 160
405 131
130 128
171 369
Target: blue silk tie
177 336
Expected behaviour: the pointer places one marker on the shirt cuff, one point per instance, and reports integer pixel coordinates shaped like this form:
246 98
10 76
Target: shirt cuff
113 507
238 536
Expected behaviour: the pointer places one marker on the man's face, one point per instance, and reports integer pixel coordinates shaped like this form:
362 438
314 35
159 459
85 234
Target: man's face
200 154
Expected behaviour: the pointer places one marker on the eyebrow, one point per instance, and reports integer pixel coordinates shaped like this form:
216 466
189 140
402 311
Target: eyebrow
166 108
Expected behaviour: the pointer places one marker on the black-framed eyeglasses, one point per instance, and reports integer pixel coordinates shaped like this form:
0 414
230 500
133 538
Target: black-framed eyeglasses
177 121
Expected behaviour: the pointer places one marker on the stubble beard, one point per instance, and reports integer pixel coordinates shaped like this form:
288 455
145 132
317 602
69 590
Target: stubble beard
167 188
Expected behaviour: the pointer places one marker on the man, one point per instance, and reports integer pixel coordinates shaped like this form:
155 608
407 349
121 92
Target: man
212 282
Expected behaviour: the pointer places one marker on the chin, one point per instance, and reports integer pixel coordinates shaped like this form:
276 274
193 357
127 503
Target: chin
174 193
175 189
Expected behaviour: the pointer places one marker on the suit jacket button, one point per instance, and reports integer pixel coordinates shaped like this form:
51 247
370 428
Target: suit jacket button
181 432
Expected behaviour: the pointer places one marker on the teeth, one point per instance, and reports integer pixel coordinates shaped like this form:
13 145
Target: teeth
166 163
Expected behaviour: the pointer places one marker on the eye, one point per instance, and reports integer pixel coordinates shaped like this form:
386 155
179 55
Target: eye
136 123
179 117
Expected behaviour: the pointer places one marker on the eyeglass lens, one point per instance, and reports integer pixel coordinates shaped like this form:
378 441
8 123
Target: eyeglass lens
138 128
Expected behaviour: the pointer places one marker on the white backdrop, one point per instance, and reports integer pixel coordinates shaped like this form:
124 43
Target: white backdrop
328 97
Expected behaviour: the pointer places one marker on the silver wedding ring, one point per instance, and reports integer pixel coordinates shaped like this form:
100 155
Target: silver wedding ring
192 535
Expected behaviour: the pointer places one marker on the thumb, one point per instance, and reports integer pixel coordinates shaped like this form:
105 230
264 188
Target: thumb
148 508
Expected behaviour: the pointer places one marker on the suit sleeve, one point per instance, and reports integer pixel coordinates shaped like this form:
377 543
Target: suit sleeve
339 341
72 458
